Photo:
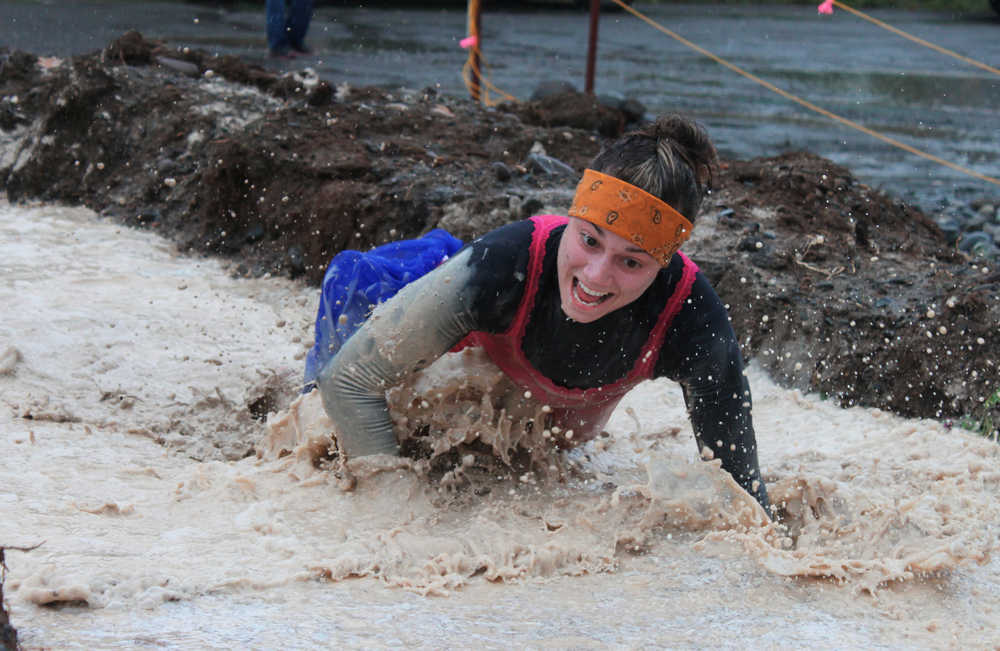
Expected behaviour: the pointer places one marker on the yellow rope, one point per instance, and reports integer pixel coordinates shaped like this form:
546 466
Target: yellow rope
469 70
915 39
485 82
805 103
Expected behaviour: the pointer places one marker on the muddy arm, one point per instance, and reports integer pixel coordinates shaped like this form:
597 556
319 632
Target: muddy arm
404 334
718 401
706 362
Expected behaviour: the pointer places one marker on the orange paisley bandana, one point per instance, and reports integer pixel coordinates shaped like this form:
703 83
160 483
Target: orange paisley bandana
631 213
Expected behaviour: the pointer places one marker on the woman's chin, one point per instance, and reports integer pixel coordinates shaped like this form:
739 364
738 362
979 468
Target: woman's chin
582 314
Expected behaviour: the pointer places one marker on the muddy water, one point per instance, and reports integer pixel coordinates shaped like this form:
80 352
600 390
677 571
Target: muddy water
154 534
842 63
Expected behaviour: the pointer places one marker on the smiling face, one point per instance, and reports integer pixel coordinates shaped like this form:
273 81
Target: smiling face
599 271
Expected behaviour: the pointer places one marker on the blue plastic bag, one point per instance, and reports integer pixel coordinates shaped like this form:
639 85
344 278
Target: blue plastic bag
356 282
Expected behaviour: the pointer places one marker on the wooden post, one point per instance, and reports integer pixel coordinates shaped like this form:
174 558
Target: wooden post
475 24
595 10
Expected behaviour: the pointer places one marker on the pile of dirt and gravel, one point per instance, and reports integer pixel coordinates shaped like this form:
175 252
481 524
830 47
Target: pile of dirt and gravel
832 286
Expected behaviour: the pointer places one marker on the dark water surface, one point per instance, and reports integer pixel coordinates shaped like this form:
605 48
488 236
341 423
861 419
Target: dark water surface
842 63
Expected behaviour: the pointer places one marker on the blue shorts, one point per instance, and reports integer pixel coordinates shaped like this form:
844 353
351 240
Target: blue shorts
356 282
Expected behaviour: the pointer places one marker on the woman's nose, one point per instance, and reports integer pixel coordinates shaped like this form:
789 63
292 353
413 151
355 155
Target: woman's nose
598 269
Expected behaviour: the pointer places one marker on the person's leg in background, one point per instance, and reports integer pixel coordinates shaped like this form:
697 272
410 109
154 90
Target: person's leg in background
298 25
277 28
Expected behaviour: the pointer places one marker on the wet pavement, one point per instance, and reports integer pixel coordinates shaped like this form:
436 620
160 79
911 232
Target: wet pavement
844 64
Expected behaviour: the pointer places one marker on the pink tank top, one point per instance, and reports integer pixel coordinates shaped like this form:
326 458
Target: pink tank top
585 411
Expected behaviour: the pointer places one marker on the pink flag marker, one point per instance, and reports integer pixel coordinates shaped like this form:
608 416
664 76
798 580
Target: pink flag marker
826 7
472 41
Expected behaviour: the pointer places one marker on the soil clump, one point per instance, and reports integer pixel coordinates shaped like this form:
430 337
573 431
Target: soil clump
832 286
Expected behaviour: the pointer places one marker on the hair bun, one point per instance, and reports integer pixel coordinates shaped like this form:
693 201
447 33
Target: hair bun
671 158
689 140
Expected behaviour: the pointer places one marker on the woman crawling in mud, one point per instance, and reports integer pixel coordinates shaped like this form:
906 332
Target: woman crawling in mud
574 310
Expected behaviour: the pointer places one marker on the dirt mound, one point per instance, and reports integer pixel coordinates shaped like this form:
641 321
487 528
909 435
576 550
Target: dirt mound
841 289
832 285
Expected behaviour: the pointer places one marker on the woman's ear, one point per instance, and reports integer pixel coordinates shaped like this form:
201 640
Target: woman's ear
703 174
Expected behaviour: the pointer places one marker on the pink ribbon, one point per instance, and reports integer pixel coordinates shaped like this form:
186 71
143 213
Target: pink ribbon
826 8
473 41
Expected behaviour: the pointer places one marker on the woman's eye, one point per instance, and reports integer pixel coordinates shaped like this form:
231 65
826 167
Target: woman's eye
632 263
588 240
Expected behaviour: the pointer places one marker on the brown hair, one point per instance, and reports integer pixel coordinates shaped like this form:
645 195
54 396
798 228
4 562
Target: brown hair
672 159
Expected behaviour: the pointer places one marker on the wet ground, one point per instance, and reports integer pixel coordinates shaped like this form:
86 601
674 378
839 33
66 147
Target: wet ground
833 287
842 63
112 380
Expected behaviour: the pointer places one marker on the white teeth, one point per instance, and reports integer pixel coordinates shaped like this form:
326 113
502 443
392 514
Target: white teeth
589 291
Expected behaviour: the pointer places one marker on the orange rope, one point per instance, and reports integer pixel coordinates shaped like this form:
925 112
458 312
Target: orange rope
805 103
466 76
915 39
472 70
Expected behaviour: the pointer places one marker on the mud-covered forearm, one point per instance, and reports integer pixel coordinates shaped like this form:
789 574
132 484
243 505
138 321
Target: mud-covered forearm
404 334
719 407
703 356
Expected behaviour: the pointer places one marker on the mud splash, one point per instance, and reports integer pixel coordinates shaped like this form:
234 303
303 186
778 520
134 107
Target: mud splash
842 528
887 538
